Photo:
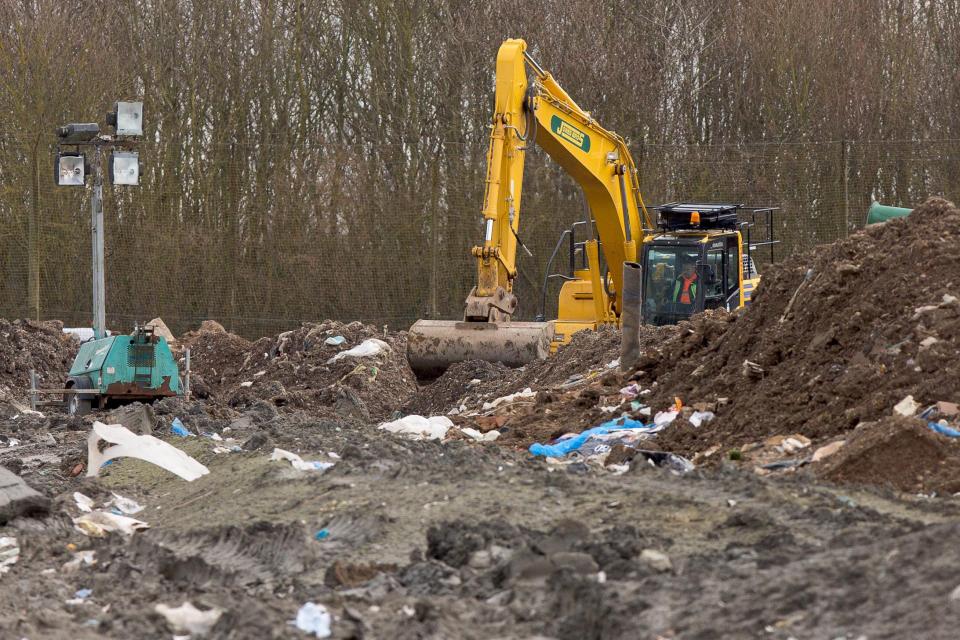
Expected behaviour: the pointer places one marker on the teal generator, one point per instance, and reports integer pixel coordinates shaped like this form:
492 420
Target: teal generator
119 369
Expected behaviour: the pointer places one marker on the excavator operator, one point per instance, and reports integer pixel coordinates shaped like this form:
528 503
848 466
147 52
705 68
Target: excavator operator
685 286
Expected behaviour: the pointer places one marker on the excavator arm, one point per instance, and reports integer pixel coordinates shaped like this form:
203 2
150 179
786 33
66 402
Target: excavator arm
532 109
537 109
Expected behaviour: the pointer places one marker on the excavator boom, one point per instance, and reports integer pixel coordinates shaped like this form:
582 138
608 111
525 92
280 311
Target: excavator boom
540 111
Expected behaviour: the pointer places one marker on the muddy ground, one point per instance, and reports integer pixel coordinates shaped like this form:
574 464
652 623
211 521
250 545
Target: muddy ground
815 510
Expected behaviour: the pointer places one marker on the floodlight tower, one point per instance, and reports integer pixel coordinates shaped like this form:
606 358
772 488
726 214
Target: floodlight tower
71 170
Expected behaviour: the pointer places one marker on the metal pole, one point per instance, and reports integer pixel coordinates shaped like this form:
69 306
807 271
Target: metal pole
33 389
186 392
96 227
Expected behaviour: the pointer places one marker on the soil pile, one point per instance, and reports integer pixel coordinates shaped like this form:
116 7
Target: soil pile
899 453
834 337
296 368
587 350
27 345
464 383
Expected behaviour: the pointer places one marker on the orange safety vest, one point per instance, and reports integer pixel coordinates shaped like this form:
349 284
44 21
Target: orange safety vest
689 286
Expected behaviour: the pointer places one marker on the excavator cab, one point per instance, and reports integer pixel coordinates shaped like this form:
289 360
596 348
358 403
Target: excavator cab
699 259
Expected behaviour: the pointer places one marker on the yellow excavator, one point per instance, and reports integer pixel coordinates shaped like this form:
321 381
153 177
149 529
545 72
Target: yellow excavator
700 238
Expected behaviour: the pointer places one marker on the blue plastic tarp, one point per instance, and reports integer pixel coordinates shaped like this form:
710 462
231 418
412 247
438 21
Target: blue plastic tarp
564 447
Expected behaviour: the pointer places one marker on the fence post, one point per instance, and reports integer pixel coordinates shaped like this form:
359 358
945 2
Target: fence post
845 158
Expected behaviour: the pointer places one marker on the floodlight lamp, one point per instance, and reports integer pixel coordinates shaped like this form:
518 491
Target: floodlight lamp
127 118
69 170
125 168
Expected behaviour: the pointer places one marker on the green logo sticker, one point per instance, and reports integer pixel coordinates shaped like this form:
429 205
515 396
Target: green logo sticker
570 133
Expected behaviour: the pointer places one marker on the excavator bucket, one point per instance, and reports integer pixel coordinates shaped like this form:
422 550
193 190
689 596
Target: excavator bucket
433 345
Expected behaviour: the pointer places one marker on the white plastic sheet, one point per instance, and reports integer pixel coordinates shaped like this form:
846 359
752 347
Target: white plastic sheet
419 427
369 347
299 463
188 619
148 448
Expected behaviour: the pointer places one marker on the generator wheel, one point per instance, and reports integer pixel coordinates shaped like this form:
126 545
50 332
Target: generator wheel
77 406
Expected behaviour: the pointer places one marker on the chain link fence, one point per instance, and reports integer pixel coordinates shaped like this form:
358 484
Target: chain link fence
381 235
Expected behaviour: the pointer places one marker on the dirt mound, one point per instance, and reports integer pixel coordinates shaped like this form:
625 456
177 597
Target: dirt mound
294 368
896 452
464 383
835 336
587 350
215 354
27 345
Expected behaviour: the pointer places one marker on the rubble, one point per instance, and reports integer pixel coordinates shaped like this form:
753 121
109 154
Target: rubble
783 450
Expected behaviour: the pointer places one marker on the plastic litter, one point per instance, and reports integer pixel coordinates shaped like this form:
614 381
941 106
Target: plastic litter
83 594
419 428
323 534
99 523
299 463
80 558
177 428
665 460
663 418
700 417
126 506
188 619
513 397
944 429
564 447
147 448
367 348
9 553
489 436
630 391
84 503
314 618
335 341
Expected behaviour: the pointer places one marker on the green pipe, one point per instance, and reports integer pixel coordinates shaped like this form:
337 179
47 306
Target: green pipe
881 213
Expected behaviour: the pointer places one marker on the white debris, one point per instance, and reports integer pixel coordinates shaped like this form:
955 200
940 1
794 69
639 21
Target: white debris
84 503
99 523
9 553
314 618
419 427
919 311
906 407
928 342
148 448
701 417
188 619
793 444
489 436
663 418
125 505
513 397
246 383
87 558
299 463
367 348
656 560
